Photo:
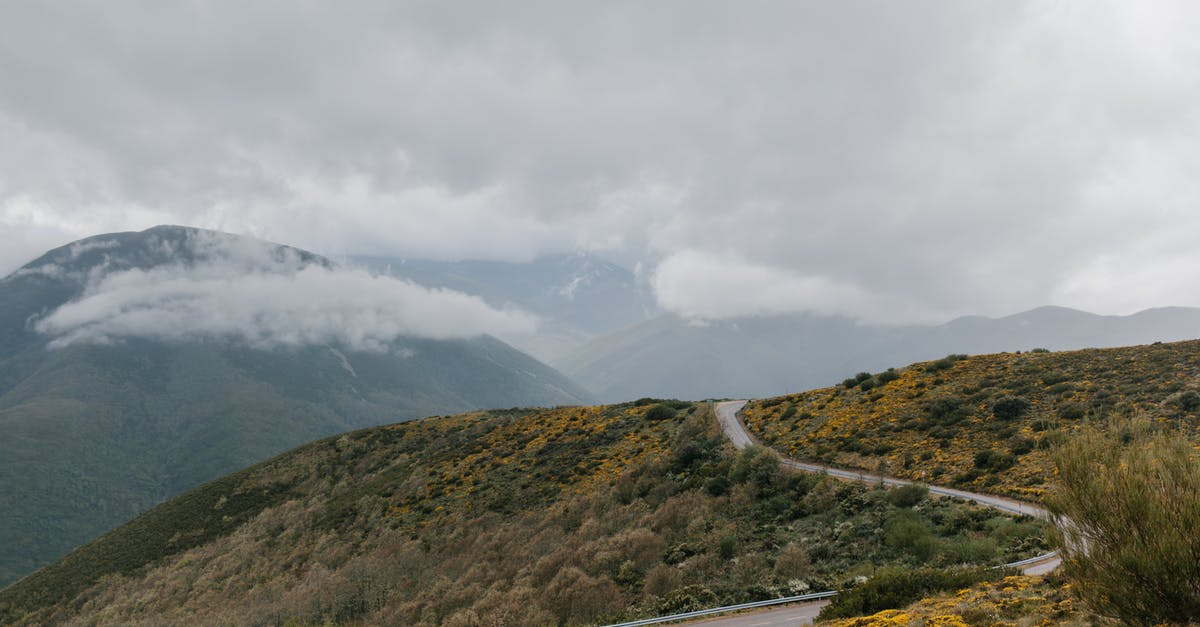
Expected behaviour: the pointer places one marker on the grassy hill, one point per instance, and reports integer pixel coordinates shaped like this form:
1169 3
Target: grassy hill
570 516
985 422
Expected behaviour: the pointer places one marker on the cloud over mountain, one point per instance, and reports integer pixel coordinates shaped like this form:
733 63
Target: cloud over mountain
264 296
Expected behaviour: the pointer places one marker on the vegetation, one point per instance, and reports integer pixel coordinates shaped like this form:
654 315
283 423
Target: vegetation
985 422
1132 494
568 516
1008 600
897 587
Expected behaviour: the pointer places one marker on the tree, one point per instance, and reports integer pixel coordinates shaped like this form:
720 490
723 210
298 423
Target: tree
1127 500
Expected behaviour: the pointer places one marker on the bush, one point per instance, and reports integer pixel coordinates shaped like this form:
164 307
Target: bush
893 588
907 495
660 412
910 534
1070 411
994 460
1189 401
947 411
688 599
1010 408
1133 499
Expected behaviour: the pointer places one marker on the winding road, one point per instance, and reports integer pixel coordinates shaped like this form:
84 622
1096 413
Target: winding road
803 614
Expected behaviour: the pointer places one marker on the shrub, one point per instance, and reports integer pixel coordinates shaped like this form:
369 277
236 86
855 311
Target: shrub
1010 408
687 599
994 460
1189 401
947 411
910 534
908 495
893 588
1133 499
660 412
1070 411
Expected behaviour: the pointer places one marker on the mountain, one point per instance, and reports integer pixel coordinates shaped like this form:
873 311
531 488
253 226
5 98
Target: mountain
576 297
769 356
569 516
134 366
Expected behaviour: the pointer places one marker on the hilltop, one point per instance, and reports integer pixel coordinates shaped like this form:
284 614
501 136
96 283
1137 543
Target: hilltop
571 515
134 366
985 422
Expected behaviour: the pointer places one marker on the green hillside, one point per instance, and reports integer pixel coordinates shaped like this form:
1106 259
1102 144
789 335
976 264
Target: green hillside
985 422
95 434
573 515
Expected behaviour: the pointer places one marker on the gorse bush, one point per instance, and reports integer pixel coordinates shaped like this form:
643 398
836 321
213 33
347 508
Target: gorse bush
932 420
1130 499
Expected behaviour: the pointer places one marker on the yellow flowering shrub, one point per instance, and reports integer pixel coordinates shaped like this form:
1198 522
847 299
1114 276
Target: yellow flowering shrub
985 421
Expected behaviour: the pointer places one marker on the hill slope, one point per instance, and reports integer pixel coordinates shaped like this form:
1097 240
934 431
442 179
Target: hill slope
574 515
98 431
985 421
768 356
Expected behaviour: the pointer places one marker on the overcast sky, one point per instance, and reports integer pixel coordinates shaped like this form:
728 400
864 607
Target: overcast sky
889 160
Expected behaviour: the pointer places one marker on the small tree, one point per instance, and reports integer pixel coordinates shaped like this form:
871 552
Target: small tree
1128 502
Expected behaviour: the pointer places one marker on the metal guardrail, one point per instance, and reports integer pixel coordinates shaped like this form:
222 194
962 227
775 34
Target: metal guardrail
814 596
1033 560
729 608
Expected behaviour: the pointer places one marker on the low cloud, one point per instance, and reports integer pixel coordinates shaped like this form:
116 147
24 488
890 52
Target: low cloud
268 297
706 286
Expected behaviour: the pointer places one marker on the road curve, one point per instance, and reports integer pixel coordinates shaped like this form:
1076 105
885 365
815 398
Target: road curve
737 434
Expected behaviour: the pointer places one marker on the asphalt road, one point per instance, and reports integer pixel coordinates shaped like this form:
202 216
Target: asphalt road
803 614
799 614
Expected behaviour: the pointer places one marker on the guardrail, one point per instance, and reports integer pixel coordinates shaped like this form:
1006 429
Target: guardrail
814 596
728 608
1033 560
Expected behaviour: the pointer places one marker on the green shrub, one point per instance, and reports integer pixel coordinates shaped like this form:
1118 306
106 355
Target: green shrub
894 588
1071 411
1133 496
907 532
1010 407
908 495
947 411
1189 401
660 412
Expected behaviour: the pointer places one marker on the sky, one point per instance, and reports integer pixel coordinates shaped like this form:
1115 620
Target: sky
896 162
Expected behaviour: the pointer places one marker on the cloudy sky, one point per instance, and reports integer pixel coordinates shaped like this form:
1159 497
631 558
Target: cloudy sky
889 160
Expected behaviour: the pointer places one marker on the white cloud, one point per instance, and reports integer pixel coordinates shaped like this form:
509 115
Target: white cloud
704 286
966 157
244 291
